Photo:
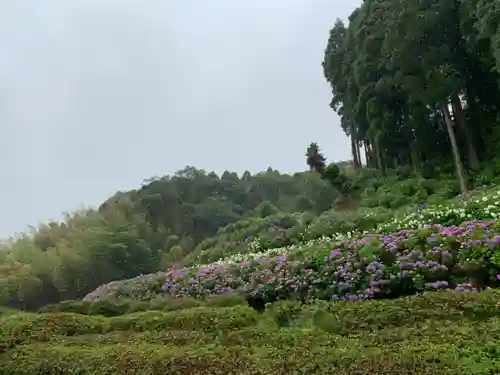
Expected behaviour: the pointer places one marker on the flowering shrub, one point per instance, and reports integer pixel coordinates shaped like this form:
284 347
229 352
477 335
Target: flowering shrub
484 205
142 287
454 212
457 211
463 257
331 223
247 235
297 250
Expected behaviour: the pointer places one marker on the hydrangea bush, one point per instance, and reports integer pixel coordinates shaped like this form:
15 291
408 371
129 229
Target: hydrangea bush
455 212
245 269
292 251
462 257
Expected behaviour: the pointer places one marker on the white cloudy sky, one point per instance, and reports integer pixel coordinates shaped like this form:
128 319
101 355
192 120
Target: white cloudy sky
98 95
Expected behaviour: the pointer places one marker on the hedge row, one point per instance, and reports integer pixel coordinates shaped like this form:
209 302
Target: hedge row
121 306
435 333
344 316
25 327
215 360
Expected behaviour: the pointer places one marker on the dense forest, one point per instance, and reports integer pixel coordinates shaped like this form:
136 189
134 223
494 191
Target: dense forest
416 83
416 86
145 230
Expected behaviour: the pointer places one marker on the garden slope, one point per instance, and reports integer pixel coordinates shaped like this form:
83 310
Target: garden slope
442 332
477 209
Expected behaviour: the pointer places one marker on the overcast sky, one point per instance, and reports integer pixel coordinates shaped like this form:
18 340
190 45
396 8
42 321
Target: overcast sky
98 95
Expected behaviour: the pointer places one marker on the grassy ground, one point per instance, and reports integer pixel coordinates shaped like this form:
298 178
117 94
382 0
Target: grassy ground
435 333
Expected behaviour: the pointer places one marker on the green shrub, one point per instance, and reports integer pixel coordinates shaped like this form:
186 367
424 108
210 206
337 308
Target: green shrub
284 312
79 307
7 311
108 308
42 327
199 318
433 333
122 306
124 359
271 231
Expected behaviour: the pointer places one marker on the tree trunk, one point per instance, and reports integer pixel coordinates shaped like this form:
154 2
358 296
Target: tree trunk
454 148
367 153
460 120
358 153
353 150
414 156
371 154
415 161
476 118
378 155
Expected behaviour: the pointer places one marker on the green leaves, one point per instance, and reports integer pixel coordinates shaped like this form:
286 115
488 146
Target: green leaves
398 65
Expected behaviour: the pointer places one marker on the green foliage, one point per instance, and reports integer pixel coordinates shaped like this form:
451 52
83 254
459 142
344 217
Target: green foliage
407 80
434 333
280 272
337 179
333 222
416 85
396 192
120 306
315 159
121 241
264 233
168 221
266 209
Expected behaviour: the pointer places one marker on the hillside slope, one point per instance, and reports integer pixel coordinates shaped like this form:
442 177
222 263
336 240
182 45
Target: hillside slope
452 245
436 333
194 217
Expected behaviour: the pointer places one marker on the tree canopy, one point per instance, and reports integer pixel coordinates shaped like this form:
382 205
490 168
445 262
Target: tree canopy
416 83
145 230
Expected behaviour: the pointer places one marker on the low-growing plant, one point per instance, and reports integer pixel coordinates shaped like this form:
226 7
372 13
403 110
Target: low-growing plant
443 332
374 266
483 204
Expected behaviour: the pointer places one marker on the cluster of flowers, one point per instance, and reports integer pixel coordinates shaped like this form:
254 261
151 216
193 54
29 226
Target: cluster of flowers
454 213
457 211
303 248
463 257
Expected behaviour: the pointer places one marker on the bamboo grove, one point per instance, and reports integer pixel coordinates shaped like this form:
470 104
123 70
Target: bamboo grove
416 83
